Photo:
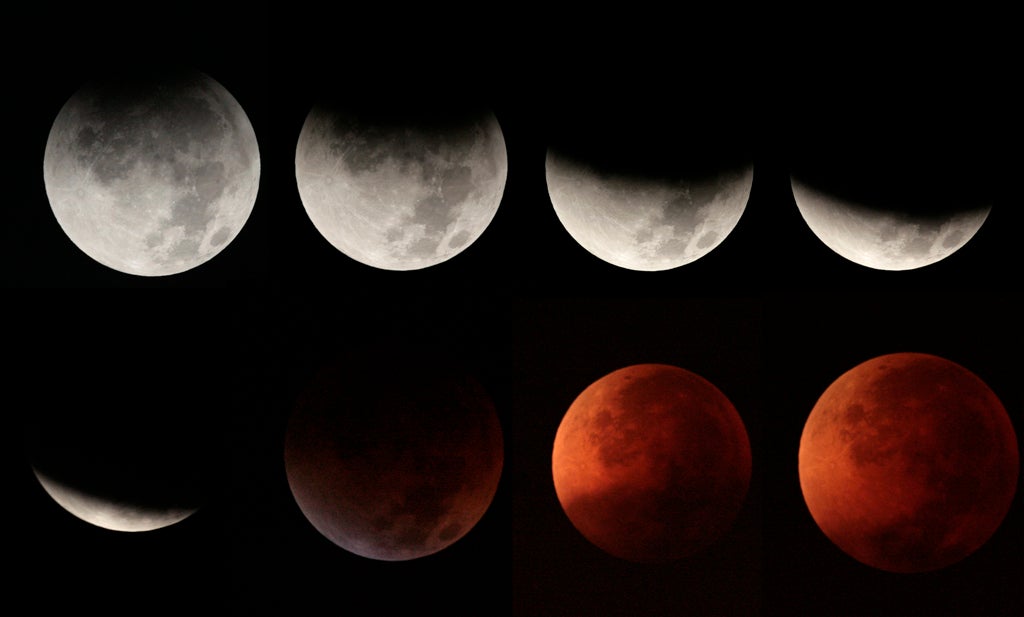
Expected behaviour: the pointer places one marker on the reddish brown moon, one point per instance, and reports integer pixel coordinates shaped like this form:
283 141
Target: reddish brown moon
651 463
908 462
393 464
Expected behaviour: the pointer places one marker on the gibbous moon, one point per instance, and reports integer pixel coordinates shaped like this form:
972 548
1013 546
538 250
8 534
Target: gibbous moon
152 174
908 462
643 223
393 461
651 463
400 188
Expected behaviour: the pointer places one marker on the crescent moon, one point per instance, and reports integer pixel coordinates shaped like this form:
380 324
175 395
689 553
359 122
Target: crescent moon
885 239
109 514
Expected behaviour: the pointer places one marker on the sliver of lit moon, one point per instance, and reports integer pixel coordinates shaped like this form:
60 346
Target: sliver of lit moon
110 514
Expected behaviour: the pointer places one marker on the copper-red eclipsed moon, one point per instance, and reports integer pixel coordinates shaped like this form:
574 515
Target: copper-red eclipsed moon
908 462
651 463
391 464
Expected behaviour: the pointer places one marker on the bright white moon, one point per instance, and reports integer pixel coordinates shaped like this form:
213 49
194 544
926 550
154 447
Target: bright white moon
400 194
108 514
152 176
642 224
885 239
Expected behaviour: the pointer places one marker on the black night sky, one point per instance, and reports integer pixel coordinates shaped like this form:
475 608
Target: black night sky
770 317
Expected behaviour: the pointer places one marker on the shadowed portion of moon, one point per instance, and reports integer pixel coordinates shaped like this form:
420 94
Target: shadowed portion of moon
908 462
399 184
651 463
649 187
124 447
889 174
897 238
152 173
393 461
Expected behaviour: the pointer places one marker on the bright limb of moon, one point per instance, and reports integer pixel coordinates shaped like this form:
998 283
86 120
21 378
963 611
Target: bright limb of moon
152 175
109 514
885 239
646 224
400 194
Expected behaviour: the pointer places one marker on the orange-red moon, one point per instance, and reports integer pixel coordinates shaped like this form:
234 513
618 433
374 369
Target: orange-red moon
908 462
651 463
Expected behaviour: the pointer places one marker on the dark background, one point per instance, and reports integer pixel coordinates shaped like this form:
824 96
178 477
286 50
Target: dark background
771 316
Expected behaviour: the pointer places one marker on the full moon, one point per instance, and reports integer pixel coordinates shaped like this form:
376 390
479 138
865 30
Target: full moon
400 188
651 463
908 462
393 462
152 174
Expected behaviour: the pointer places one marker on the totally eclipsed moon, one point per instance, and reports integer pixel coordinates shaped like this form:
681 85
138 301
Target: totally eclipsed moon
908 462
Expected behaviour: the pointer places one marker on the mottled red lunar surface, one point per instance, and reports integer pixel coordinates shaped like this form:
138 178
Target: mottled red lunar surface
908 462
393 465
651 463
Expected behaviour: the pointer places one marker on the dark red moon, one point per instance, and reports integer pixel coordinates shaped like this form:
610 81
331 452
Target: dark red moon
908 462
393 464
651 463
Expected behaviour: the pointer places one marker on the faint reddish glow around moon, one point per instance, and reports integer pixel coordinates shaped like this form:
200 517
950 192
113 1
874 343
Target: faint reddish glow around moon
651 463
908 462
393 462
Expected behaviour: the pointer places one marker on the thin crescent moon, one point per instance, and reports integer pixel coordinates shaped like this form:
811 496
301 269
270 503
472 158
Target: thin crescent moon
116 516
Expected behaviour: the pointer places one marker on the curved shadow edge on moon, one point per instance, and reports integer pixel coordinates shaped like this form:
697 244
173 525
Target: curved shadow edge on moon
109 514
645 224
908 463
651 463
404 196
152 176
884 239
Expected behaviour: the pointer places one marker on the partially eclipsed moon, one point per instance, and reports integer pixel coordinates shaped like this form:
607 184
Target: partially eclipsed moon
129 468
651 463
646 224
152 175
908 462
885 238
400 190
110 514
390 463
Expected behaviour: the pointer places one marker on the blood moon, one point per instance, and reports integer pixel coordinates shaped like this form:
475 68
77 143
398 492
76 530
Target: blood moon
908 462
394 465
651 463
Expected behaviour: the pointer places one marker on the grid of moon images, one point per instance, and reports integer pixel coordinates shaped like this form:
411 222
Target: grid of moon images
520 309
